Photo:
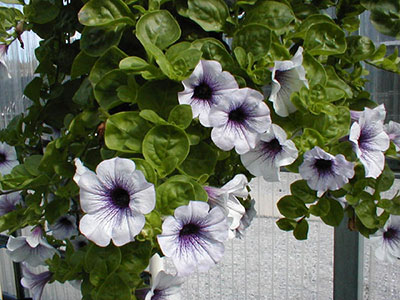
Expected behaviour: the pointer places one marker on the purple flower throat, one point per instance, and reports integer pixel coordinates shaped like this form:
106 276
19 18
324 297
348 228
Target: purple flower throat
202 91
189 230
323 165
120 197
238 115
3 157
272 148
391 234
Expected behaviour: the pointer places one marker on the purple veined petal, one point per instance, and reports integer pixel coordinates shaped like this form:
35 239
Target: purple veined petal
115 168
129 226
165 287
392 129
35 283
35 238
387 240
64 227
142 192
8 202
374 163
96 229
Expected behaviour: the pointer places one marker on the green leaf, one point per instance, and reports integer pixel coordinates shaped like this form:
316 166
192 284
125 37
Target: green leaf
273 14
106 90
292 207
385 181
110 255
183 58
158 28
314 70
106 63
95 41
366 212
125 132
42 11
335 215
181 115
147 170
32 90
172 194
104 12
322 208
334 81
211 15
114 288
301 230
82 64
152 117
286 224
201 160
254 38
165 147
301 190
359 48
213 49
325 39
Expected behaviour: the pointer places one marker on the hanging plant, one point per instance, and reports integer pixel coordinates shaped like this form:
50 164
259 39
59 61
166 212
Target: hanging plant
149 118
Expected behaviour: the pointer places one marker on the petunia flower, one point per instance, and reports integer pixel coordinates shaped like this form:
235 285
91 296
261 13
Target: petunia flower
165 287
194 237
64 227
323 171
238 122
8 202
288 76
247 219
207 86
370 141
32 249
115 199
392 129
226 198
8 158
272 152
79 242
376 113
35 282
387 240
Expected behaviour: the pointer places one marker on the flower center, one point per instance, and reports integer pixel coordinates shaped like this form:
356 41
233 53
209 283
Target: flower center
279 75
202 91
323 165
157 294
272 148
189 229
390 234
238 115
65 221
120 197
2 158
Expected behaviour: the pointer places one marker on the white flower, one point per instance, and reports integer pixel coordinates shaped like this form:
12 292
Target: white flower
288 76
247 218
207 86
376 113
387 240
226 198
370 141
115 199
165 287
194 237
32 249
239 121
8 202
35 282
8 158
272 151
393 131
64 227
323 171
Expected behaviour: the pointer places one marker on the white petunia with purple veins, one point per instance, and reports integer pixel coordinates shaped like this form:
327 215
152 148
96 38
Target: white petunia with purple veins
165 287
32 249
238 122
387 240
323 171
370 141
273 151
8 158
226 198
207 86
115 200
35 283
392 129
64 227
194 237
288 76
8 202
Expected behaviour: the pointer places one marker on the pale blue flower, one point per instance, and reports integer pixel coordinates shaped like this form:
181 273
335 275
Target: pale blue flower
387 240
165 287
8 202
207 86
323 171
392 129
8 158
115 200
194 237
64 227
238 122
35 283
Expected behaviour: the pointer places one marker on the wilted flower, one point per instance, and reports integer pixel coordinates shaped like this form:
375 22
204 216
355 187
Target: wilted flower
8 202
115 199
387 240
64 227
226 198
32 249
393 131
238 122
288 76
165 287
194 237
272 151
370 141
8 158
323 171
247 218
35 282
207 86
